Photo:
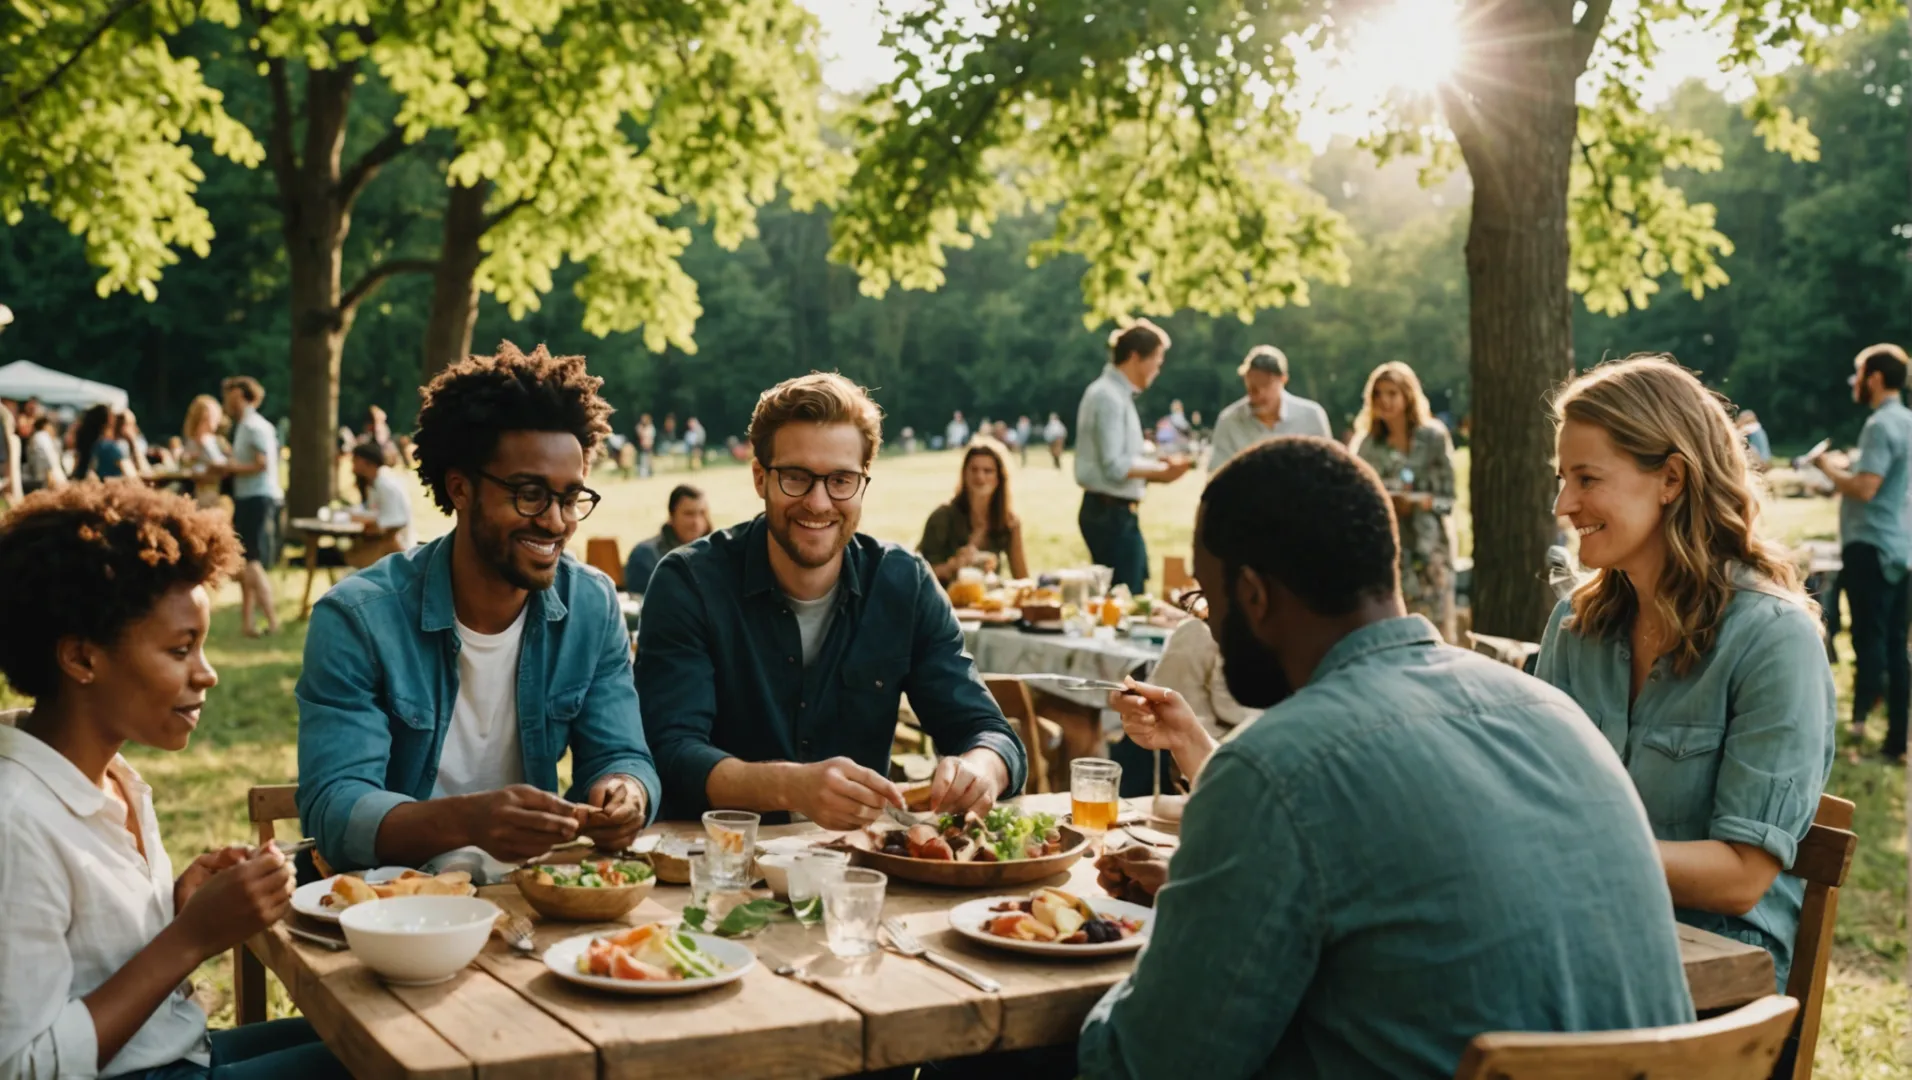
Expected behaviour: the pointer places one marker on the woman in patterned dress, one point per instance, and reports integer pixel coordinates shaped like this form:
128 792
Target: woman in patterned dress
1397 434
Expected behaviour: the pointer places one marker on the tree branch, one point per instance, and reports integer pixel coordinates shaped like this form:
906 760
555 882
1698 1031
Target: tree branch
499 218
377 276
92 37
1588 29
367 166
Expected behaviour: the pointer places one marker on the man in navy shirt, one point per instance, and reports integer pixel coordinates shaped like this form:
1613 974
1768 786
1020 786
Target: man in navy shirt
775 654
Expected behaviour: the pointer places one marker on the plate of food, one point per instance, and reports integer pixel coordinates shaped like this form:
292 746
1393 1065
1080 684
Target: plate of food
1006 846
593 890
323 900
1051 922
653 959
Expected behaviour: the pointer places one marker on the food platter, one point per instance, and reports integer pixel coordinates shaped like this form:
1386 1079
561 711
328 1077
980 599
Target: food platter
307 899
967 875
970 920
562 960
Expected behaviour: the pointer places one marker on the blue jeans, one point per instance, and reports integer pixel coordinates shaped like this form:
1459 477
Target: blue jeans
280 1050
1114 535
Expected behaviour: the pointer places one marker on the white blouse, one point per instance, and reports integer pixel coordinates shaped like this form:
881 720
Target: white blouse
78 901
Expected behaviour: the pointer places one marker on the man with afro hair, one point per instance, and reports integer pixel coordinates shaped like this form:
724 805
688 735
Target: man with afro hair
442 685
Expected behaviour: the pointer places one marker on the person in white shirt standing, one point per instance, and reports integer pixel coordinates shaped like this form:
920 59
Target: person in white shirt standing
388 508
100 939
1266 411
256 497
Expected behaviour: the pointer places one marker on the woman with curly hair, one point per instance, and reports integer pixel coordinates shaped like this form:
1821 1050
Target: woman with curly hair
1691 646
1397 434
119 579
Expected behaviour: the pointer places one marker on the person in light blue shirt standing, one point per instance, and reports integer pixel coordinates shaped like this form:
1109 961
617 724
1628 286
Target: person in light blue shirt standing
1692 647
1111 466
1416 846
1875 545
256 498
1268 409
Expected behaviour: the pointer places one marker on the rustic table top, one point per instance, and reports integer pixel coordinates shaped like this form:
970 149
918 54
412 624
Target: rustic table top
506 1016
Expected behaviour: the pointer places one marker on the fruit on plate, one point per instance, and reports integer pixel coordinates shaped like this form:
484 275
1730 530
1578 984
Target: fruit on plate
1051 915
652 952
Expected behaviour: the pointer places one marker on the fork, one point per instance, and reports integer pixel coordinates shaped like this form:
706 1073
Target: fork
906 943
515 931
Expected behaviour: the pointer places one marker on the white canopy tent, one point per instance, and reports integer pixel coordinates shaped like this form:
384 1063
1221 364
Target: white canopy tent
25 379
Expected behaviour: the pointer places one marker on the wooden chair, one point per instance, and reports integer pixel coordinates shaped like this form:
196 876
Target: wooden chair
1041 738
1822 861
1741 1045
264 807
601 552
1175 575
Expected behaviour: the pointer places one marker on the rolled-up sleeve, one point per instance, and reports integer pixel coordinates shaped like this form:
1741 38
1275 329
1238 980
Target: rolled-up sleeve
1240 1003
1778 749
949 697
608 738
345 740
677 682
44 1032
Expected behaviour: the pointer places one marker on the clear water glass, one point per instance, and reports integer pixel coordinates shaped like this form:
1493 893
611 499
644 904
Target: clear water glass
730 846
808 875
853 912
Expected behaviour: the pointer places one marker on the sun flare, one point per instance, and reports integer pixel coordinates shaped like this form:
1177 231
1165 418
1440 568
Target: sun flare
1413 46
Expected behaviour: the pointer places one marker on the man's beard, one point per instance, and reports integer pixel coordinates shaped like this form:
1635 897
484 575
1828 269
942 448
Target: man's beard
1252 671
495 548
783 532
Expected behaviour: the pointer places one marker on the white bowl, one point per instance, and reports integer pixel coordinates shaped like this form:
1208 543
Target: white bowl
418 940
774 868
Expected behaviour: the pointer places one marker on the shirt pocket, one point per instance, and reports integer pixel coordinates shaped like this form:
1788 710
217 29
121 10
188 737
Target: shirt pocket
872 692
1675 773
561 711
413 715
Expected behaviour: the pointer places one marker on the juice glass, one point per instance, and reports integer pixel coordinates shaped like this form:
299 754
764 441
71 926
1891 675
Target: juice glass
1094 796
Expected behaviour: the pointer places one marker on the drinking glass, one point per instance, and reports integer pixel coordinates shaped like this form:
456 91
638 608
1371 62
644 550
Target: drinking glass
1095 785
853 912
731 844
808 875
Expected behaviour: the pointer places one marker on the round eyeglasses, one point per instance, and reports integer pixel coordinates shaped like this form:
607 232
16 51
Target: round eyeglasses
842 485
531 499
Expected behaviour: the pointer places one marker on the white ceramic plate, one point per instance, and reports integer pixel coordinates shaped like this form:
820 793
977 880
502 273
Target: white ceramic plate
562 959
970 918
306 899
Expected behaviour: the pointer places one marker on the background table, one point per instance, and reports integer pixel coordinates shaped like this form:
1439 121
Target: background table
311 530
507 1016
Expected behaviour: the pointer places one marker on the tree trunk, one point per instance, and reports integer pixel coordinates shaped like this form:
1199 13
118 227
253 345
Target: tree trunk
317 220
1517 133
455 283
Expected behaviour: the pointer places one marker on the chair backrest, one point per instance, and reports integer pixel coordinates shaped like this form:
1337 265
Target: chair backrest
1741 1045
1175 575
601 552
1823 859
1019 707
271 803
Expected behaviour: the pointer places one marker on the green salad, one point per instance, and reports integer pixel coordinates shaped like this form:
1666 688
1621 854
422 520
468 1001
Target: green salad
596 874
1007 831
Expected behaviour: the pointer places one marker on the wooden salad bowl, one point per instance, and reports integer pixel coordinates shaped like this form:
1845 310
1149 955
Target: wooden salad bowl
967 875
576 904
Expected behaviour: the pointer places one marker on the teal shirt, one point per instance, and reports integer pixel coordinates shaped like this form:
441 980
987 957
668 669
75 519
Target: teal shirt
1420 846
1738 750
1885 447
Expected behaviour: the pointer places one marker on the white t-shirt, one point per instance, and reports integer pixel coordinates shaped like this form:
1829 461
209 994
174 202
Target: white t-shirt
79 902
393 506
482 751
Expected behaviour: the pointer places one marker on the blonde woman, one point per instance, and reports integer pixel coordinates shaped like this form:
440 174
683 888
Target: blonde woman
202 449
1691 646
1397 434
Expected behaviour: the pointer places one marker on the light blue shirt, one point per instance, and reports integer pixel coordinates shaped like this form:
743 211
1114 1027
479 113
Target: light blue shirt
1885 444
1238 428
1737 750
1421 845
253 438
1109 437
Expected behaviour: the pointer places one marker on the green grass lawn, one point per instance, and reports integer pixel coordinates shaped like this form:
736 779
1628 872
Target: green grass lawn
247 734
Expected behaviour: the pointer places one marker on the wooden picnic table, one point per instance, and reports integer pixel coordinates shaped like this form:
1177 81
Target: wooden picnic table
310 531
507 1016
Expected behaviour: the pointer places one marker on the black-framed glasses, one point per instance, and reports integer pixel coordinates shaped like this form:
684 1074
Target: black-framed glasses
531 498
1193 602
842 485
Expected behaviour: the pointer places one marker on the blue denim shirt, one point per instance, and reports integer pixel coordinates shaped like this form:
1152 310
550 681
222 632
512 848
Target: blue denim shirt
1737 750
720 665
381 678
1420 846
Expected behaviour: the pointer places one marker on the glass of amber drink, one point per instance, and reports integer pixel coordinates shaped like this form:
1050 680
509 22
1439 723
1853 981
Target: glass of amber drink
1094 800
